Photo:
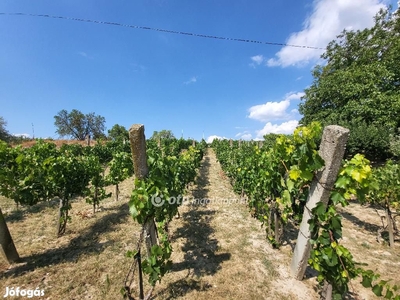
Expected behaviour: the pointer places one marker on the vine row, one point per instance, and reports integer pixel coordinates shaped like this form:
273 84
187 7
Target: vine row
276 178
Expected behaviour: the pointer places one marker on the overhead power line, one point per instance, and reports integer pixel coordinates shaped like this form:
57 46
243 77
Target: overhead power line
162 30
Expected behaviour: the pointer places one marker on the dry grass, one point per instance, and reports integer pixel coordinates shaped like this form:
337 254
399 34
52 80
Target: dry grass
220 252
361 225
77 265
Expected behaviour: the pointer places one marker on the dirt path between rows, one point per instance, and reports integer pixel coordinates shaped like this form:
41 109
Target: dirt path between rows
220 251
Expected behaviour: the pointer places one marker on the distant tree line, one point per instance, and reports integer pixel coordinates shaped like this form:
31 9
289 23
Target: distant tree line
77 125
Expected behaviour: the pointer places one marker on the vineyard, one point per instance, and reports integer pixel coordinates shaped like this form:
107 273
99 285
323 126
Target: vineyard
91 221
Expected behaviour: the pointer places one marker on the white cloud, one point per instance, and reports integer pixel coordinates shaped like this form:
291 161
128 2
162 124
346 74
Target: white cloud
272 111
327 20
269 111
213 137
294 96
285 128
24 135
257 60
294 111
245 135
191 80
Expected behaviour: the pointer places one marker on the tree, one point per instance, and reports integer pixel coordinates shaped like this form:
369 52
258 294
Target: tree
78 125
163 134
4 135
359 86
118 133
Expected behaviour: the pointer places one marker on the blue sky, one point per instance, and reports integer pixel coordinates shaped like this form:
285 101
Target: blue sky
198 86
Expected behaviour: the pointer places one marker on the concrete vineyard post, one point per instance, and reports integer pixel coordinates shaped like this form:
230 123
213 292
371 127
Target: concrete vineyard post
7 246
141 171
390 226
332 149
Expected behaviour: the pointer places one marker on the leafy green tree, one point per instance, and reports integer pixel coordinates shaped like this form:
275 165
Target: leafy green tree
359 86
163 134
4 135
118 133
395 144
78 125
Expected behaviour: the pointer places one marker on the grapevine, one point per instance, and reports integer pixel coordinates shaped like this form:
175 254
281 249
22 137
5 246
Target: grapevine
276 181
168 178
43 172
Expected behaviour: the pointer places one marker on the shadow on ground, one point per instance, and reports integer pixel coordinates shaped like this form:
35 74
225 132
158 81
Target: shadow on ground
200 249
86 243
20 212
360 223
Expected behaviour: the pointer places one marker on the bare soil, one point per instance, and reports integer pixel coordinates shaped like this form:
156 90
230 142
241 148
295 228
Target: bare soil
220 251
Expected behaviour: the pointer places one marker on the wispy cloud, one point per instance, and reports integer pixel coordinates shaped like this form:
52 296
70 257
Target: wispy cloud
191 80
274 111
138 67
327 20
256 60
240 127
85 55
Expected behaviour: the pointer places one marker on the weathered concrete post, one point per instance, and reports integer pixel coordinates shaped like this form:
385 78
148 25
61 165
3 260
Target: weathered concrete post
331 150
230 143
138 149
7 247
194 143
390 226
